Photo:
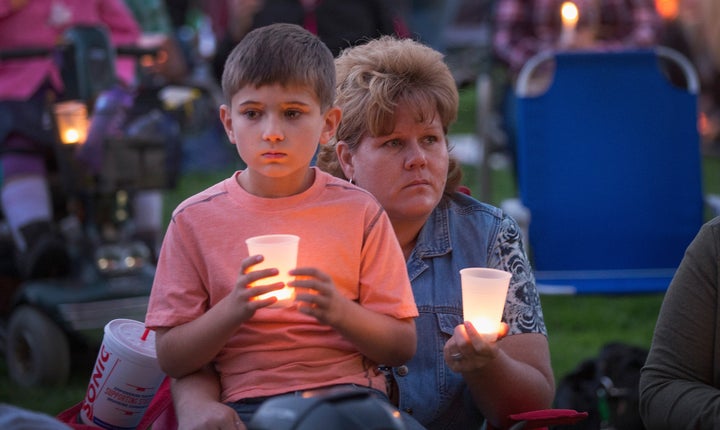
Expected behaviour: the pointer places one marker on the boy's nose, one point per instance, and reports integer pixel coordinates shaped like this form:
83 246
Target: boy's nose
273 131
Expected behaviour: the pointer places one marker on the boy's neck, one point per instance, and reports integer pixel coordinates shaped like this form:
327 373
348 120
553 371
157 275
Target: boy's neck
267 187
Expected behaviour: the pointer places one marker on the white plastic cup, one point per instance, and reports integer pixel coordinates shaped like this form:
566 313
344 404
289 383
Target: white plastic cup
279 251
484 291
125 378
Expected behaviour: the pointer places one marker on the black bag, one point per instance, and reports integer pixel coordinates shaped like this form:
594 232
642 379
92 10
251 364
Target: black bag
606 387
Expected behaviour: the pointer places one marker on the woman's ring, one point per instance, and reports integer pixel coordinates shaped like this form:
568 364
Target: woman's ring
457 356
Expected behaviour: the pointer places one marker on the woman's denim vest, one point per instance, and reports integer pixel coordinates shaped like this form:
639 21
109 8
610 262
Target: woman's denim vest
461 232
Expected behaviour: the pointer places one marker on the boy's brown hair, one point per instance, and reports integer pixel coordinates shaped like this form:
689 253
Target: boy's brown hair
284 54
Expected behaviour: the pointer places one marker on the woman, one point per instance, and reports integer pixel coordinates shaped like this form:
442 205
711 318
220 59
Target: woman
680 383
398 100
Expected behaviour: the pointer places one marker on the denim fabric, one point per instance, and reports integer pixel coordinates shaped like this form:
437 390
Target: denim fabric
461 232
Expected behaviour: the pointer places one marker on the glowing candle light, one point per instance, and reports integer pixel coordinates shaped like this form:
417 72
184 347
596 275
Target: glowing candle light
667 9
71 118
483 295
279 251
570 16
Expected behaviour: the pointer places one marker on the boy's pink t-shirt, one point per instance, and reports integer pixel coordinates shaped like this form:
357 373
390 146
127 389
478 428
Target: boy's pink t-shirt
343 231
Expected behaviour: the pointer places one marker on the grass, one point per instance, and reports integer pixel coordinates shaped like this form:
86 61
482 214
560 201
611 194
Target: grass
578 326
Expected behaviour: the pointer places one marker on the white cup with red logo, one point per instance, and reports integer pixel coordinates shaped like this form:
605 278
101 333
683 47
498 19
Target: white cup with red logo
125 377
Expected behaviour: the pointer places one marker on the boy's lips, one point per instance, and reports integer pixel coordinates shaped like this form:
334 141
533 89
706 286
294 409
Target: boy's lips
273 154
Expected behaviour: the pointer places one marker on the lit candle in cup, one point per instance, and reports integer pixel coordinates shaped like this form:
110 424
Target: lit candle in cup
484 292
71 118
570 15
279 251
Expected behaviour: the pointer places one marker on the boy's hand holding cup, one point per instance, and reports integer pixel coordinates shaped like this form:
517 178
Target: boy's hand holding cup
279 251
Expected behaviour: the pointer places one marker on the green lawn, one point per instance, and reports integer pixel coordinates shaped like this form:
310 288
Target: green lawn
578 325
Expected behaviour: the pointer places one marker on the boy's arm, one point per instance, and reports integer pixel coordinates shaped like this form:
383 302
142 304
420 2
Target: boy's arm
381 338
186 348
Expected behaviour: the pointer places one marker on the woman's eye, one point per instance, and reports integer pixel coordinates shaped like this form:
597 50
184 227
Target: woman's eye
429 140
394 143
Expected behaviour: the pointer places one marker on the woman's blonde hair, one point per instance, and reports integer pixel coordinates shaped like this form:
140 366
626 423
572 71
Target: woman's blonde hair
376 77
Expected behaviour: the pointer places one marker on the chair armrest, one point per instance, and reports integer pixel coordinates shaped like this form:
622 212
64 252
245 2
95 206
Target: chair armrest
546 417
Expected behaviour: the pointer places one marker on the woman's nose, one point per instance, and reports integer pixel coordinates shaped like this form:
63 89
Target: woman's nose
415 155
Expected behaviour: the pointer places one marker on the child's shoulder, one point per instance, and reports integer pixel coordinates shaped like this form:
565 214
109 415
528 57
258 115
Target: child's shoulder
343 192
209 193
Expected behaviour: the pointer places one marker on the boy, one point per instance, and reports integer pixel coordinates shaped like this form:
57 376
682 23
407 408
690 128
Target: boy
355 308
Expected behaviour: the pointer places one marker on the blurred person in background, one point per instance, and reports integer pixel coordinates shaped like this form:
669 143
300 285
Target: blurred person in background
427 20
27 88
339 24
693 29
523 29
158 31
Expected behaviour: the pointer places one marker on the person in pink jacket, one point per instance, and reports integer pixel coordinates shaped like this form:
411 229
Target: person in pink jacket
27 87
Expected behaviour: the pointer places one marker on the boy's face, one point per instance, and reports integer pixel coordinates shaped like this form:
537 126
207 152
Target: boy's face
276 131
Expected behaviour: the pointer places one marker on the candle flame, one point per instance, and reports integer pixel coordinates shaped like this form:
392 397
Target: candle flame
71 136
703 124
486 325
667 9
569 13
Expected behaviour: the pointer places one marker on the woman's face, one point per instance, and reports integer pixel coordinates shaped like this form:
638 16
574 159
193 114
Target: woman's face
405 170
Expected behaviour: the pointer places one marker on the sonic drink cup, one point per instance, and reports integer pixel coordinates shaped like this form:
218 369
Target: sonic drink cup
125 377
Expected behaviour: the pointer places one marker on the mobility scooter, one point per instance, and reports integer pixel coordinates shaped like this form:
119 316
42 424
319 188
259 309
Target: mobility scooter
45 321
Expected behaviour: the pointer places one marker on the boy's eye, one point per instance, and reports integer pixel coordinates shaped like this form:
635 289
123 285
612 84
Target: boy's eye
292 113
250 113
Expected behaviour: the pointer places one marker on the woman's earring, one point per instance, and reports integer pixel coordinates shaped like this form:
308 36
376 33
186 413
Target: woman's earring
351 181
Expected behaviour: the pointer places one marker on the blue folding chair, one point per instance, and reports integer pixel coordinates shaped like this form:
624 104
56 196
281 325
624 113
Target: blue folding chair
609 167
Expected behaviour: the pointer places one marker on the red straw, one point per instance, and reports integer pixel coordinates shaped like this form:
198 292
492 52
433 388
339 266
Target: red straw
145 334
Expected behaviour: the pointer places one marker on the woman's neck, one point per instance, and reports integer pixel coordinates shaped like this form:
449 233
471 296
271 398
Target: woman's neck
407 233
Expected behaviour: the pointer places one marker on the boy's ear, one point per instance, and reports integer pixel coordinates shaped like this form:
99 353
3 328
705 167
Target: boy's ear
226 119
332 120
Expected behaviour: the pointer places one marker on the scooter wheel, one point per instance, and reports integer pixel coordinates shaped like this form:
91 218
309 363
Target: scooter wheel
38 351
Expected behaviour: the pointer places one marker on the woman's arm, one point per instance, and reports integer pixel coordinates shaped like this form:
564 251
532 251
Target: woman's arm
679 383
195 398
513 374
510 376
